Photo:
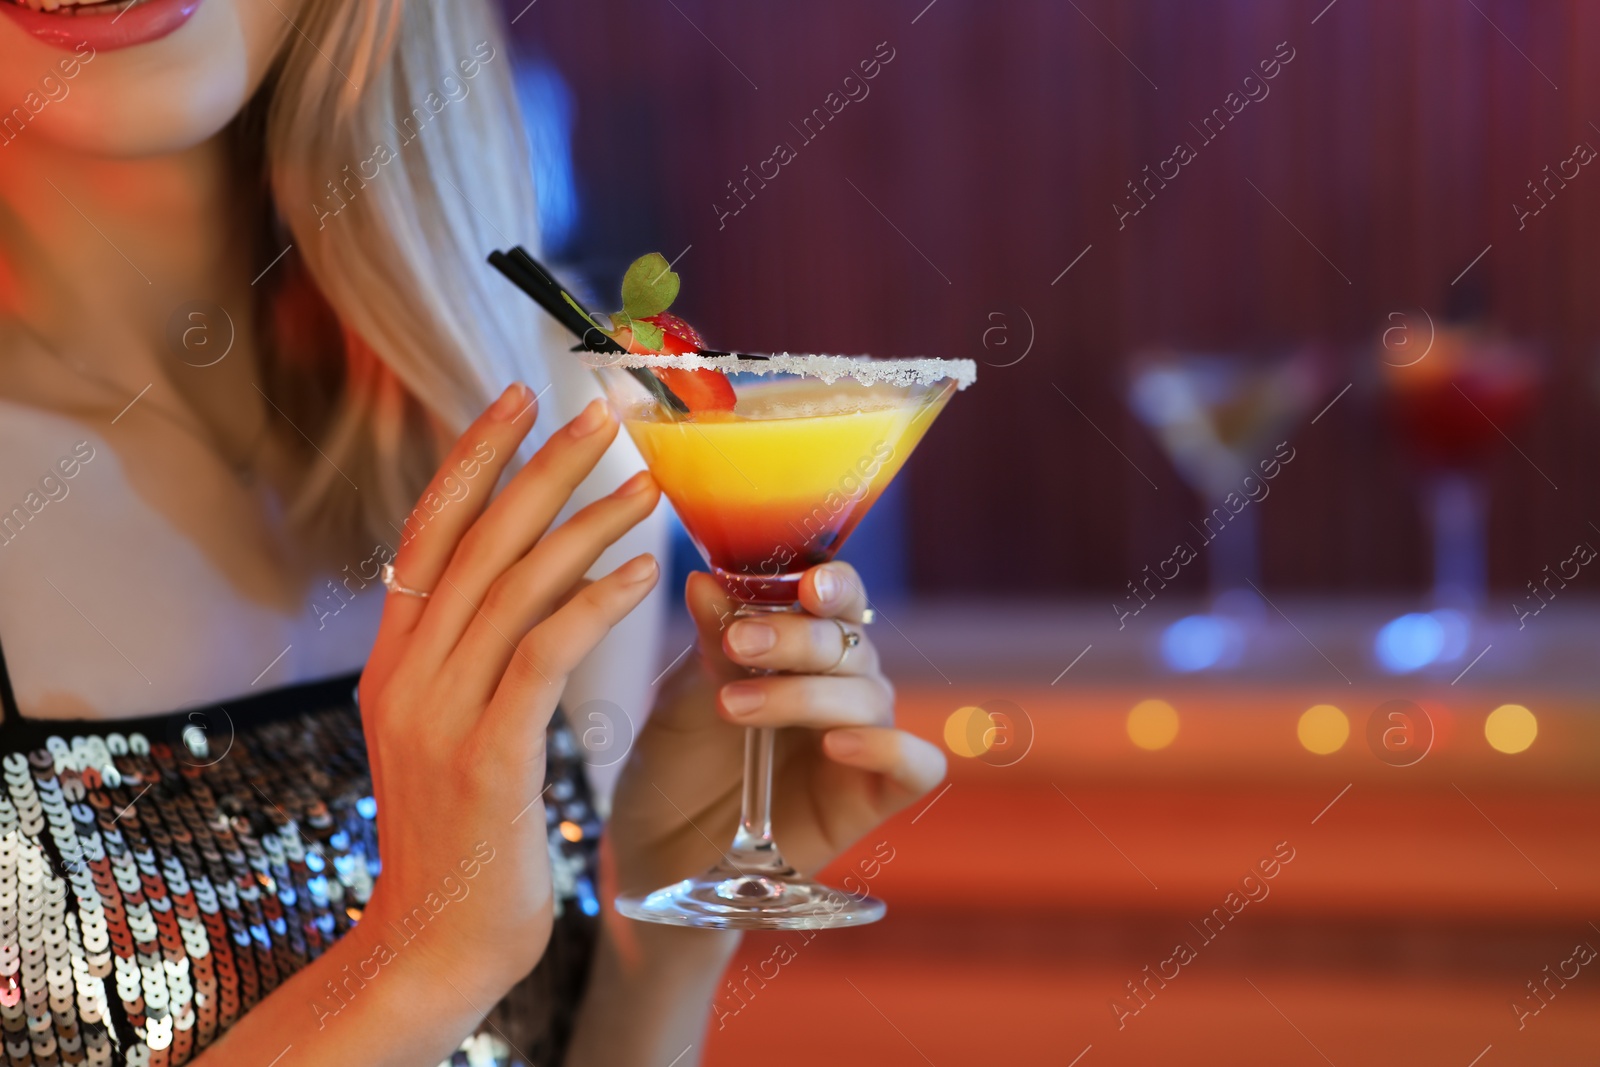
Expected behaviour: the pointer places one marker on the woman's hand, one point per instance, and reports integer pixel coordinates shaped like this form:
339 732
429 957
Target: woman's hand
840 773
461 685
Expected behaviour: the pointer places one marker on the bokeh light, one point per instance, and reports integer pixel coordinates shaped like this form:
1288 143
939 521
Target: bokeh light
1152 724
969 732
1409 643
1510 728
1196 642
1322 729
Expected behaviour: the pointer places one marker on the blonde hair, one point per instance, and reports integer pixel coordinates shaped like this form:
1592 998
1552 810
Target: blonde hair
396 156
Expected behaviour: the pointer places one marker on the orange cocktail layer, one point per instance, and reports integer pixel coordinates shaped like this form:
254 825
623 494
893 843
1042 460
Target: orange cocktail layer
777 485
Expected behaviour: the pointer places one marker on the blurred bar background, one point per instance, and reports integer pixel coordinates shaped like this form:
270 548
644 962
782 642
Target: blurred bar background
1403 212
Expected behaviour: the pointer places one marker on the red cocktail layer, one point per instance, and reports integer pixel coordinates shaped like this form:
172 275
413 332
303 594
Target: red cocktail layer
759 550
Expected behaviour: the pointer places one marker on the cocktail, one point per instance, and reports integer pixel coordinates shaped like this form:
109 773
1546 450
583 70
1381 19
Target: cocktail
770 462
776 484
1454 406
1218 417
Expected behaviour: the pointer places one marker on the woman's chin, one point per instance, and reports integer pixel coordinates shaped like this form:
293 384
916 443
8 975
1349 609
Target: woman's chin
121 128
148 99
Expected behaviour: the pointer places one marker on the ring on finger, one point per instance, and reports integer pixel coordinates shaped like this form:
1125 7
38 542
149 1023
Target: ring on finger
391 582
848 639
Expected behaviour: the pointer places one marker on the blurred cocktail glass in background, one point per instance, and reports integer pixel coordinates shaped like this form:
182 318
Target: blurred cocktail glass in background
1453 403
1218 416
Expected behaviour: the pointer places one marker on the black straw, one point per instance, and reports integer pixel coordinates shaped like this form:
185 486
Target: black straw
527 274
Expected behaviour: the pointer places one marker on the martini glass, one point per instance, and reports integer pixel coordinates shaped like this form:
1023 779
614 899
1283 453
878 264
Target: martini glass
1217 417
767 491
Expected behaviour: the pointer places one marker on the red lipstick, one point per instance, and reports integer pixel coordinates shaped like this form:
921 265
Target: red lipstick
104 27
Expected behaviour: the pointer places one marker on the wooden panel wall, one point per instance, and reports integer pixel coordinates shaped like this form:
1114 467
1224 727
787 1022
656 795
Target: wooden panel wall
989 154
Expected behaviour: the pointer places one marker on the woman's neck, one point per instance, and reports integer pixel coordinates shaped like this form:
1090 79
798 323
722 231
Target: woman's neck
125 237
104 262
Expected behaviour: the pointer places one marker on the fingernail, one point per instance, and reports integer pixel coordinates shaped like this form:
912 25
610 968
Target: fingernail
512 401
742 699
751 638
637 569
826 584
844 743
637 484
589 419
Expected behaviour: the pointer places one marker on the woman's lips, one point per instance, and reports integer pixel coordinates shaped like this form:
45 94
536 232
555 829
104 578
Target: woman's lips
103 27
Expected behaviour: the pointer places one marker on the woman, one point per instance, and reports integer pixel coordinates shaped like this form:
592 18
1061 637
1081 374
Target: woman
246 344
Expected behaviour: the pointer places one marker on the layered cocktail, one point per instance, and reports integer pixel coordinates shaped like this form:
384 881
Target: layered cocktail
770 462
776 484
769 483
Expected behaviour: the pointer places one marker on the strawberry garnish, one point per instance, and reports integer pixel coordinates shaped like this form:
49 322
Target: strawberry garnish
702 390
678 336
644 325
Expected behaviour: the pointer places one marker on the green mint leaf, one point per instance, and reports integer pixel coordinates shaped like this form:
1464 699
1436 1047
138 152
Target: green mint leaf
649 287
619 321
648 335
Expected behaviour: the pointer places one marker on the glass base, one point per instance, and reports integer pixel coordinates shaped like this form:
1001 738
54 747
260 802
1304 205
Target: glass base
724 898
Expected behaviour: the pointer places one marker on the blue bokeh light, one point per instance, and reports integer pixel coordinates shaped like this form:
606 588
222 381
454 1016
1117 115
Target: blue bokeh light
1409 643
1195 642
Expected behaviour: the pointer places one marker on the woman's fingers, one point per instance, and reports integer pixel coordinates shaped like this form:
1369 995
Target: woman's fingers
834 591
826 638
801 644
455 497
511 525
909 764
811 700
712 610
548 653
538 584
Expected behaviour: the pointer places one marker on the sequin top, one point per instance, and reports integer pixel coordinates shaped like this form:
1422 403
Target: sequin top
160 876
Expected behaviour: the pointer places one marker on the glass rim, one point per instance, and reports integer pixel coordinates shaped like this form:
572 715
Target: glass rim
868 370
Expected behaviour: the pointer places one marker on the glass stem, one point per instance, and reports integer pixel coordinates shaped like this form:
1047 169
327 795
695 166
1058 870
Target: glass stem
1460 541
1235 559
753 847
